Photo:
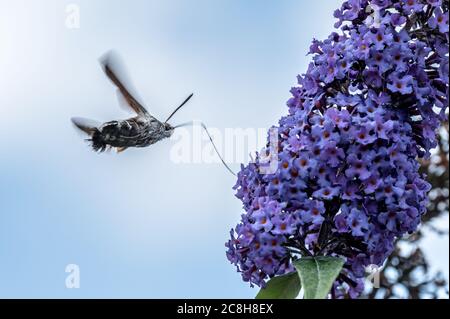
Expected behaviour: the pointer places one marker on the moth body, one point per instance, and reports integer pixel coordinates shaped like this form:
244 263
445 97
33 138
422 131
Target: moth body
134 132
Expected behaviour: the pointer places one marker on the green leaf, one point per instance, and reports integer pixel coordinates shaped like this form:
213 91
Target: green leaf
317 275
281 287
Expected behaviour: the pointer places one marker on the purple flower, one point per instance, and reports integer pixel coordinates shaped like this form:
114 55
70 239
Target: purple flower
402 85
315 47
283 225
351 191
372 183
443 71
435 3
351 11
358 222
439 20
313 213
324 134
383 127
381 3
399 56
358 168
341 118
380 99
332 154
412 5
329 72
341 224
372 77
380 60
309 84
390 190
380 39
362 48
286 166
397 19
304 163
326 192
391 219
274 187
365 134
262 221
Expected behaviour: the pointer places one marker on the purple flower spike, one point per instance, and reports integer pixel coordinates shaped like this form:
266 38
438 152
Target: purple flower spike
366 109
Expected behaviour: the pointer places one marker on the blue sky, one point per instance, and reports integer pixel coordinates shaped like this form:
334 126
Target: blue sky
138 225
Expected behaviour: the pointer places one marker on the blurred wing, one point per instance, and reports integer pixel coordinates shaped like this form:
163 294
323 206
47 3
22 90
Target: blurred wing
123 103
111 65
87 126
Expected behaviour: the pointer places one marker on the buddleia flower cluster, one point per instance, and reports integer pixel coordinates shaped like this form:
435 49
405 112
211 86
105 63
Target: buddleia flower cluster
347 182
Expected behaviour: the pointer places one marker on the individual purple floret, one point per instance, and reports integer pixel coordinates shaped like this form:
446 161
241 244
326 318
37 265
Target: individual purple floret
348 181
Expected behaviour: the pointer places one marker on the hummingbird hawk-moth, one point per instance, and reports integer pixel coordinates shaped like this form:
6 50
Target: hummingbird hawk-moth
141 130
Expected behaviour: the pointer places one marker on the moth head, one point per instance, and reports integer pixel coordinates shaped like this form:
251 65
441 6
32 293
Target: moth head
168 129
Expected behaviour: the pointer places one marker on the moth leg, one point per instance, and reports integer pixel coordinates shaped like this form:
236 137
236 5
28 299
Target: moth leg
120 149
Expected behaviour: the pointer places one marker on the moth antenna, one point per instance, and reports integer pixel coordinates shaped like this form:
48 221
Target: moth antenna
178 108
192 123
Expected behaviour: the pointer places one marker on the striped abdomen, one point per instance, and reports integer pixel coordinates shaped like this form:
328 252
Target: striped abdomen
135 132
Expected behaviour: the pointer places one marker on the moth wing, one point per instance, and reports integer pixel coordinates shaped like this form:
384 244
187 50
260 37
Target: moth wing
114 70
124 105
123 102
85 125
